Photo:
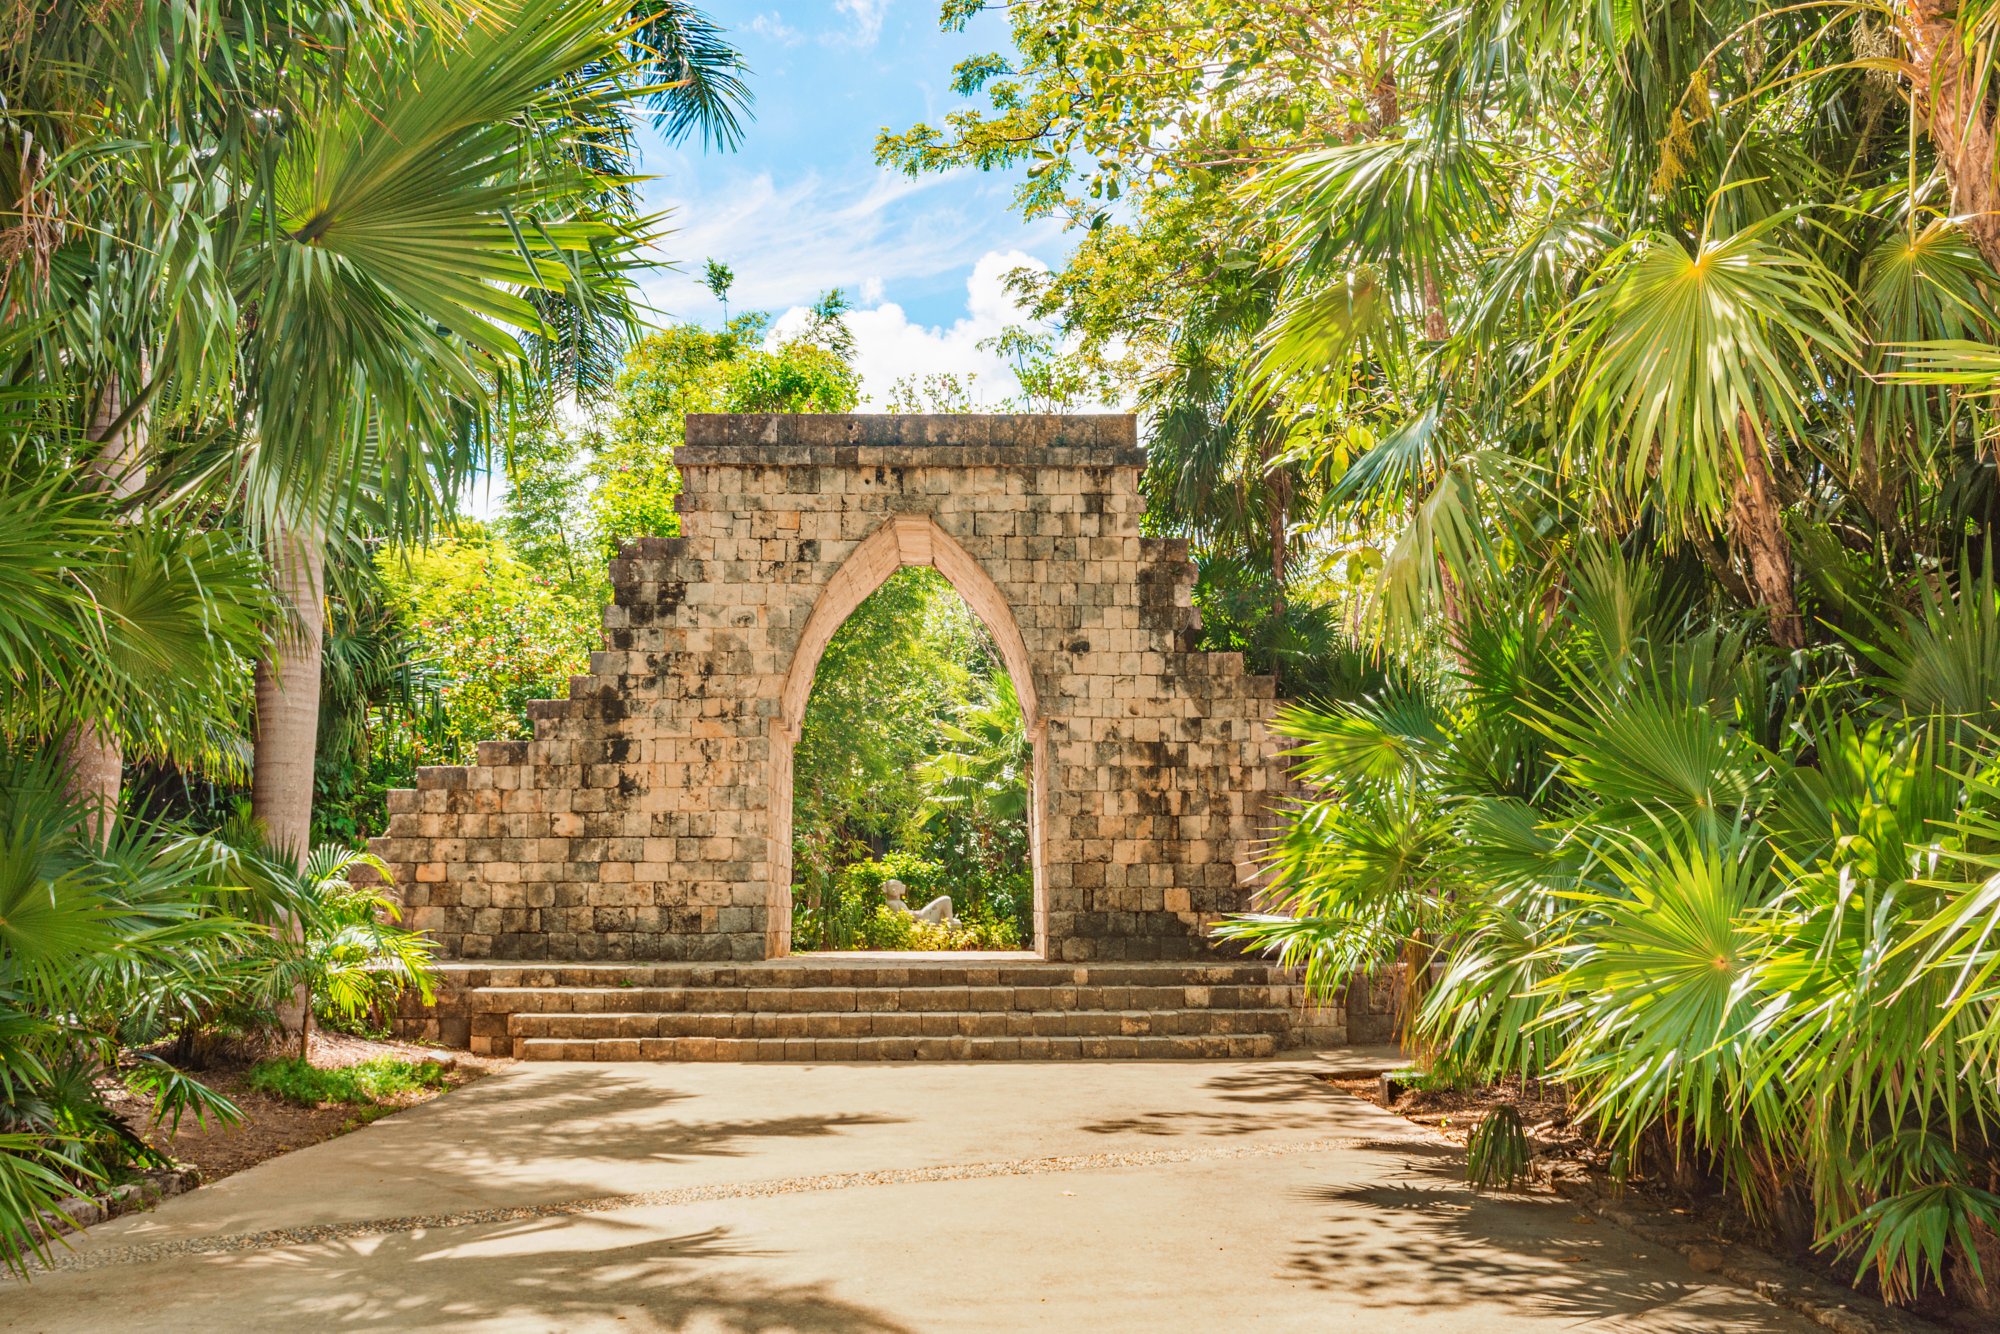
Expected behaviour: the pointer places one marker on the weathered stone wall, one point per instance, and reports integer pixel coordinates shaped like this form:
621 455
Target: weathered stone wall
650 816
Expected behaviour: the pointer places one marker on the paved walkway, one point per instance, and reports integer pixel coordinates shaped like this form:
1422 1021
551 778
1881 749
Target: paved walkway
865 1199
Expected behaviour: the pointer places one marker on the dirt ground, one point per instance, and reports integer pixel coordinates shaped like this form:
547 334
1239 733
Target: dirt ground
1566 1157
1560 1149
271 1126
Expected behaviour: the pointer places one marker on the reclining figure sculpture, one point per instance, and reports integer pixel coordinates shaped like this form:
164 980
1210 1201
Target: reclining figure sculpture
937 911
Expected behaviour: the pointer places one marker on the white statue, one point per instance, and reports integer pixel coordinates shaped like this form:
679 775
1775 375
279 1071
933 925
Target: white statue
938 910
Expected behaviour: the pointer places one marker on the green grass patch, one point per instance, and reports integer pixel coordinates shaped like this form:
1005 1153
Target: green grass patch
369 1082
1427 1081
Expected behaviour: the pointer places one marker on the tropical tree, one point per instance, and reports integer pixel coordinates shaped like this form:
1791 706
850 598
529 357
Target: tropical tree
411 223
983 767
109 595
106 943
348 957
133 128
1631 370
274 274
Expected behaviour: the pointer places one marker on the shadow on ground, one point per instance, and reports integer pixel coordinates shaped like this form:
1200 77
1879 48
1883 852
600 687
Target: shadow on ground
465 1278
1270 1098
598 1114
1424 1241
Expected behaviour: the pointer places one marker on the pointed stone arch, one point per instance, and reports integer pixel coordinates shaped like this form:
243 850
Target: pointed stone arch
649 817
902 540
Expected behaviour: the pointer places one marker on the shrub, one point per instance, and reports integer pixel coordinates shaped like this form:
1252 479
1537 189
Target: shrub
925 878
891 930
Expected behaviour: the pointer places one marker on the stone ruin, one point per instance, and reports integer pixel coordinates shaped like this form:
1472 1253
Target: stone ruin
649 819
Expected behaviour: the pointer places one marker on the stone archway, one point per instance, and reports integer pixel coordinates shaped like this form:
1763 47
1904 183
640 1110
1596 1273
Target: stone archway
647 819
903 539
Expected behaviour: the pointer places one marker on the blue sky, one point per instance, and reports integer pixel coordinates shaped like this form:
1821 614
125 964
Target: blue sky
801 206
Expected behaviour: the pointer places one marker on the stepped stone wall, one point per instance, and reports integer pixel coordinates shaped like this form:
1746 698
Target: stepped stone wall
650 816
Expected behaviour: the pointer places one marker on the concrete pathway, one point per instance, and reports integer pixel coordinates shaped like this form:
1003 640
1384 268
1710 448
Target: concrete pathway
865 1199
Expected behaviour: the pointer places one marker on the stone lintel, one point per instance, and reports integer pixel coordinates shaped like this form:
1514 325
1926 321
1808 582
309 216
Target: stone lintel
910 440
903 456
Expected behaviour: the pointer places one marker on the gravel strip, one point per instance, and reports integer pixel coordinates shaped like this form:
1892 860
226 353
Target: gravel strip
317 1233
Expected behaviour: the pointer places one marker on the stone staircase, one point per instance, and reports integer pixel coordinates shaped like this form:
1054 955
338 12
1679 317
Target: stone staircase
863 1008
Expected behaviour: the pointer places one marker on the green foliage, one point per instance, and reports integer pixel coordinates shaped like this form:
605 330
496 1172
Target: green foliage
844 915
101 603
268 270
548 520
103 948
492 632
35 1177
1497 1152
374 1081
913 742
888 929
887 682
1777 960
939 392
1685 359
376 699
718 278
346 955
983 770
149 936
924 878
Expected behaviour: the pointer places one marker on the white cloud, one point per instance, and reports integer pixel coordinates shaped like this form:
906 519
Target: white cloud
890 346
789 242
772 27
865 18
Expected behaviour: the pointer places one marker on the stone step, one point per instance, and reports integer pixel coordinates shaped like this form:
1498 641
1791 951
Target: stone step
847 1000
871 973
961 1048
895 1024
867 1007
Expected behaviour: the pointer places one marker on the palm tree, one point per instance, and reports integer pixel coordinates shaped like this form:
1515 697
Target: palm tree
348 955
105 943
125 624
102 140
1688 361
1701 380
983 767
425 270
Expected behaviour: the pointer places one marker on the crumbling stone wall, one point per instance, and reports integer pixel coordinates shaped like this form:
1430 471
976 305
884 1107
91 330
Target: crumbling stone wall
650 816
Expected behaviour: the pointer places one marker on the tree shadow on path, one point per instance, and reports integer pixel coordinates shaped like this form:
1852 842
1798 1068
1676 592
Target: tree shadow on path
463 1278
601 1116
1423 1240
1264 1099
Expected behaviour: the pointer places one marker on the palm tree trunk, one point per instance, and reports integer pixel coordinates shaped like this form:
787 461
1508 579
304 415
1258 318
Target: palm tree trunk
1384 97
1436 329
1278 526
305 1025
93 761
1949 94
1757 526
281 786
93 755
